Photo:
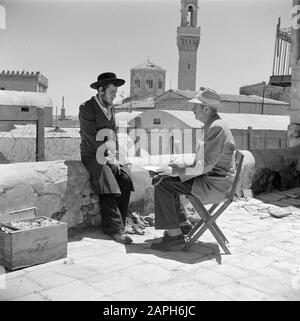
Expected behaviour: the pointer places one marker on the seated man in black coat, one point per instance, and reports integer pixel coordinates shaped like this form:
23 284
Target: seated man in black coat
109 179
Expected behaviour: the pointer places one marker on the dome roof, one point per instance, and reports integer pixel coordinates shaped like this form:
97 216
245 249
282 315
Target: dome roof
149 65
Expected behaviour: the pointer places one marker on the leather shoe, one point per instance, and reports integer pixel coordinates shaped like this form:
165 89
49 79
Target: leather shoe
185 229
168 242
122 238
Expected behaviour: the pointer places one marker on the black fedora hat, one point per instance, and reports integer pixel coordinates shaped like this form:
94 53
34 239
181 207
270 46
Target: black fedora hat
107 78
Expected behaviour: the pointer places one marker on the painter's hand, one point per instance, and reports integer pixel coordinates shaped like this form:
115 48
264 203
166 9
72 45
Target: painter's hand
177 167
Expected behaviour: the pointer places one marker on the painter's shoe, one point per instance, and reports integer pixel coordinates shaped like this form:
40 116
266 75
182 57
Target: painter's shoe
168 242
185 229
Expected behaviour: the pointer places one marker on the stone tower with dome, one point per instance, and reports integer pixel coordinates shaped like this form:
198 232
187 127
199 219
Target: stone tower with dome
147 80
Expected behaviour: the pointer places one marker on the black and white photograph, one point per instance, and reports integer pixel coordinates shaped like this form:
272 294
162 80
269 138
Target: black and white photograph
149 154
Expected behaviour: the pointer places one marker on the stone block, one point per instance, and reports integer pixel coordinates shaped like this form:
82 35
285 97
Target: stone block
281 203
270 197
96 220
280 212
48 204
248 193
293 201
74 291
94 198
16 197
290 194
94 209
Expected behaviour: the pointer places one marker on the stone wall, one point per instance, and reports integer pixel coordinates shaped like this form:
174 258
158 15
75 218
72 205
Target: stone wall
61 189
276 169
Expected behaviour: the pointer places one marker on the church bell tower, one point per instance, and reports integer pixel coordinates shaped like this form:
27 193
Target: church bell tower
188 38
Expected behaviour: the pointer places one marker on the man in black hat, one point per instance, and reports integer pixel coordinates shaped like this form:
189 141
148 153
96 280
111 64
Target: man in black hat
110 180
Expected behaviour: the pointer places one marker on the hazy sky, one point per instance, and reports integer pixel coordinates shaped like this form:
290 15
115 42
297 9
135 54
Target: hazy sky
71 42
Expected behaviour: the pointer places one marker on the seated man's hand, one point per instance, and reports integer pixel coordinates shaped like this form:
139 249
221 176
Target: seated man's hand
115 167
178 167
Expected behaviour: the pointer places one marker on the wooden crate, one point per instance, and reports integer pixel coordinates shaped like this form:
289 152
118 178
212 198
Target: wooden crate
23 248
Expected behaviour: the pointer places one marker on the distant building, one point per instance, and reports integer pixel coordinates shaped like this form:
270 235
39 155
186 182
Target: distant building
250 131
21 87
21 101
23 81
147 80
178 100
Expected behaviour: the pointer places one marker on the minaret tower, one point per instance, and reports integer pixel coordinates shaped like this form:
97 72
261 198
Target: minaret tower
188 38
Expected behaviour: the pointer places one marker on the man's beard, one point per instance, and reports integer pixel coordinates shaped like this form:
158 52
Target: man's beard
103 100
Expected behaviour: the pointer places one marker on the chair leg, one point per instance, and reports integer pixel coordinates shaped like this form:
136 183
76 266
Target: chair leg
219 239
209 223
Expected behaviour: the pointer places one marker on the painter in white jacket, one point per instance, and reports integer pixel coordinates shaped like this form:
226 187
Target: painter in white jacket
209 177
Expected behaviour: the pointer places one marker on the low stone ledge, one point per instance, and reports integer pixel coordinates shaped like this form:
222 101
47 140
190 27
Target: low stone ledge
276 169
58 189
61 189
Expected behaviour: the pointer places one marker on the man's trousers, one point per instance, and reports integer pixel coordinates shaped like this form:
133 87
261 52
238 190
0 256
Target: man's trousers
169 211
114 209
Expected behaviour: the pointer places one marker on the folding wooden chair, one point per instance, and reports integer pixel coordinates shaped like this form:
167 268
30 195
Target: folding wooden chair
209 217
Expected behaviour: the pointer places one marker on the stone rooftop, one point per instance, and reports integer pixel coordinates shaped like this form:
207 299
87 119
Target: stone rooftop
264 264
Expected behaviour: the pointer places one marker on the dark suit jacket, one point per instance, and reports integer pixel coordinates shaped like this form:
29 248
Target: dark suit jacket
92 119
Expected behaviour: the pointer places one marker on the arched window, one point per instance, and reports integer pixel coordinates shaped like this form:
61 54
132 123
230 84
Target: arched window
137 82
190 16
160 83
149 82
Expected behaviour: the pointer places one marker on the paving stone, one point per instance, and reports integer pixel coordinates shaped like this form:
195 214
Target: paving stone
32 297
18 287
252 262
282 203
254 201
10 275
251 208
213 279
289 194
138 294
75 291
186 289
295 190
242 293
264 206
231 270
47 279
73 270
87 251
279 212
109 262
293 201
263 251
269 197
141 272
266 284
275 274
285 297
116 284
39 267
277 252
285 265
